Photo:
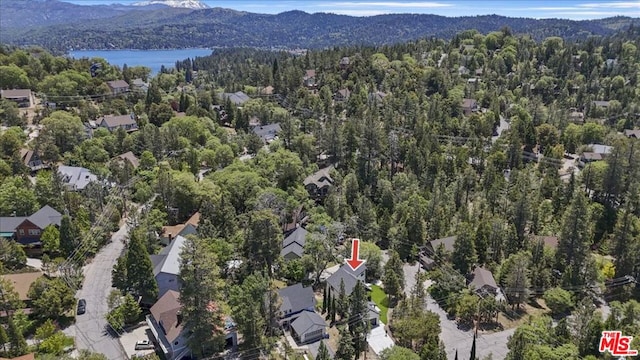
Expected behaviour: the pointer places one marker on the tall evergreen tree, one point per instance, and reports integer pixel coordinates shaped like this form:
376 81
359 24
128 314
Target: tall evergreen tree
345 347
201 297
323 353
393 277
17 343
358 319
68 236
573 245
464 252
139 269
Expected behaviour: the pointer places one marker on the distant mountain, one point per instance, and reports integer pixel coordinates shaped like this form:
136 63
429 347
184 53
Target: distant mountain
185 4
60 26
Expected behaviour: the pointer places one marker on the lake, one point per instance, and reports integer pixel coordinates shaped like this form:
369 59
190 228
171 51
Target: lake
153 59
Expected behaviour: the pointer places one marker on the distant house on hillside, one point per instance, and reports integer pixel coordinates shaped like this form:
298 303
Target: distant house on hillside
114 122
632 133
267 133
469 106
31 160
237 98
129 158
342 95
576 117
190 227
293 245
376 97
344 63
483 282
309 79
22 97
601 103
141 85
76 178
118 87
318 183
598 152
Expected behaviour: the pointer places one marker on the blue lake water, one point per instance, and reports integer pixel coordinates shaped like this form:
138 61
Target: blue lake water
153 59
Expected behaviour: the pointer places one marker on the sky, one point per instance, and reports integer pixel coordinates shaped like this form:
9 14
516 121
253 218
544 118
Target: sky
570 9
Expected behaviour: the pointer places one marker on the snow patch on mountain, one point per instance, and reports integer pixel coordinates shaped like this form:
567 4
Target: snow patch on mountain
188 4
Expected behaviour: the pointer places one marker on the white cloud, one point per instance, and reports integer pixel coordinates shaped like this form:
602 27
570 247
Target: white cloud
611 5
424 4
549 8
354 12
594 14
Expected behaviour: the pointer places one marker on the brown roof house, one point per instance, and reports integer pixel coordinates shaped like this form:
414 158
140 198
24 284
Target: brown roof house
469 106
27 229
20 96
31 160
318 183
188 228
168 327
30 356
118 87
114 122
483 283
21 284
128 157
550 242
309 79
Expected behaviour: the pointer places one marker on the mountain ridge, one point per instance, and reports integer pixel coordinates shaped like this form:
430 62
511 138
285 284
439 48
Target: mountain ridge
157 26
183 4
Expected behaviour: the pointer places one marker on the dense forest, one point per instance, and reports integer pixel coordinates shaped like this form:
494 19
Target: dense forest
488 138
119 27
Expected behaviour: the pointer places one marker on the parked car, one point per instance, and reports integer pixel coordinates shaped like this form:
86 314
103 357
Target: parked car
82 306
144 345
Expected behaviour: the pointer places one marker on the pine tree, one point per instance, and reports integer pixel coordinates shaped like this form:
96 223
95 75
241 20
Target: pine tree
358 319
573 245
345 347
17 343
3 341
464 252
324 300
393 277
341 307
68 236
323 353
139 273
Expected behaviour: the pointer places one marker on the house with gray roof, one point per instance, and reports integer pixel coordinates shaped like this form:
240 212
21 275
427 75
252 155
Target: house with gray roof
115 122
482 282
267 133
318 183
632 133
601 103
166 266
76 178
348 276
309 327
31 160
238 97
296 299
446 243
293 245
27 230
118 87
22 97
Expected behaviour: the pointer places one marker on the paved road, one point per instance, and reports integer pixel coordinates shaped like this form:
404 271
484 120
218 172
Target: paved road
455 338
90 329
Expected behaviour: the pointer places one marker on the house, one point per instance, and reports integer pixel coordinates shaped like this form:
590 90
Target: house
632 133
296 299
588 157
22 97
118 87
600 149
114 122
28 231
374 314
576 117
31 160
309 327
344 63
190 227
21 284
348 276
237 98
462 70
267 133
140 85
318 183
76 178
483 282
604 104
29 356
342 95
426 261
376 97
309 79
168 328
469 106
446 243
166 266
128 157
293 245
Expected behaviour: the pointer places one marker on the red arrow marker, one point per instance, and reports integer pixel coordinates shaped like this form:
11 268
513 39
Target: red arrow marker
355 261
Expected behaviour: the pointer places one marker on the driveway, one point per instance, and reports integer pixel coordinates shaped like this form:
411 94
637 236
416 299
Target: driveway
455 338
91 330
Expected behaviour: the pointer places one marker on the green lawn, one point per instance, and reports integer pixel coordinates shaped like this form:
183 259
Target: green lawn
380 298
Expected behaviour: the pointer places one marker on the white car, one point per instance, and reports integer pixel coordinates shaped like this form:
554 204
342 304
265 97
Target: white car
144 345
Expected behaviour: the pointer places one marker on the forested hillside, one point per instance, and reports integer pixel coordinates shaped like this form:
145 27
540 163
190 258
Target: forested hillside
109 27
486 155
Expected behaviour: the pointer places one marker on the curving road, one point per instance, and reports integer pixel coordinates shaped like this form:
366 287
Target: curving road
90 329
